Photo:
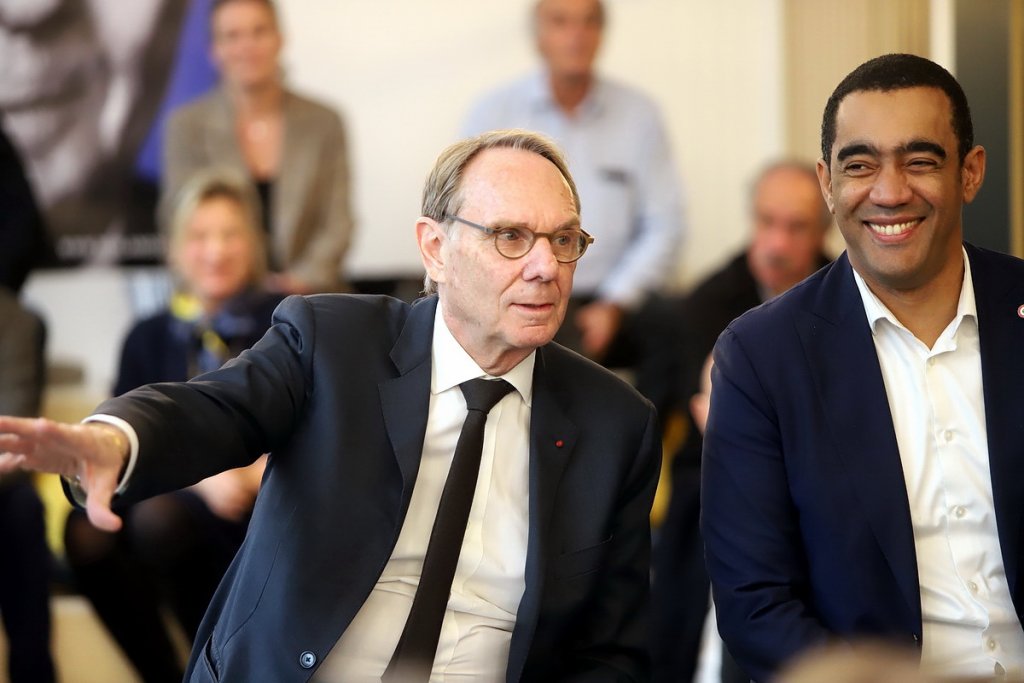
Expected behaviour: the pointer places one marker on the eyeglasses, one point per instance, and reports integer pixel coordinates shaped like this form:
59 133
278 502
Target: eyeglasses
512 243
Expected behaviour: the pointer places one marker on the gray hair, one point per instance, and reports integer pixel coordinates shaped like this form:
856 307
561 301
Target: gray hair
442 196
797 166
212 183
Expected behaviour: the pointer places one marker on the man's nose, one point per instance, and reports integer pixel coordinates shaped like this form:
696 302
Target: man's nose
890 187
540 260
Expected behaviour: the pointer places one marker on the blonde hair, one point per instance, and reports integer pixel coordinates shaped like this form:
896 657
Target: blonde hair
442 196
212 183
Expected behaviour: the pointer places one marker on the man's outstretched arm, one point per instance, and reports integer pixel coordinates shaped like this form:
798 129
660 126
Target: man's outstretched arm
93 455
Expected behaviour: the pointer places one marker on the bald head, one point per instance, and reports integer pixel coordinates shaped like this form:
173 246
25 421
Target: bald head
790 220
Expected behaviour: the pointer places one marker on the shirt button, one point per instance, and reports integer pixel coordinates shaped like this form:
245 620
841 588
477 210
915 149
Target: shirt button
931 362
960 511
972 586
307 660
947 435
991 644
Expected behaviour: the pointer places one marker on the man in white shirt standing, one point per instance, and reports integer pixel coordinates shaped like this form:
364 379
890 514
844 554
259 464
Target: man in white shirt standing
863 471
620 156
365 405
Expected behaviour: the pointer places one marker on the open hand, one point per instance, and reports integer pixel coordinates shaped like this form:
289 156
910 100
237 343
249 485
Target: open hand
91 454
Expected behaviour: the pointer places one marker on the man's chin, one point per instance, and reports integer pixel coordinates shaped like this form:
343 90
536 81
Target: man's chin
534 336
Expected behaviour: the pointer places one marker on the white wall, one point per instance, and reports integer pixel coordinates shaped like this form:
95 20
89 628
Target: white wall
404 72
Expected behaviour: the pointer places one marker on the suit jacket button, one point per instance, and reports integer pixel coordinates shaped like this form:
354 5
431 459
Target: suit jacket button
307 660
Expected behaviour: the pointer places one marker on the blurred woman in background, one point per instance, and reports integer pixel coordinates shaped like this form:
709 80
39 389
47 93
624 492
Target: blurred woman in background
175 548
292 148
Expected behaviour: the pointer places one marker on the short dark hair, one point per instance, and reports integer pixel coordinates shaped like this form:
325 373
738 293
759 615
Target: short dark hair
897 72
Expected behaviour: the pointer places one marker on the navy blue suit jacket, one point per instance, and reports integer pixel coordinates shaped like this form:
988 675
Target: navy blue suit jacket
338 392
805 513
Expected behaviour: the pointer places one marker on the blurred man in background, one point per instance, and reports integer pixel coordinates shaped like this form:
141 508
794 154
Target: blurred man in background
789 221
619 153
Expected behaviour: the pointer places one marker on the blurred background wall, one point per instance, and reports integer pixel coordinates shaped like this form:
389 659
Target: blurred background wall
739 82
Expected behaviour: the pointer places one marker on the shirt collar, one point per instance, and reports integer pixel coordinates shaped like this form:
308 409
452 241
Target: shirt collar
876 310
451 365
538 95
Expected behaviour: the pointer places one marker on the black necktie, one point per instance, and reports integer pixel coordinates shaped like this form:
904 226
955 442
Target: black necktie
414 656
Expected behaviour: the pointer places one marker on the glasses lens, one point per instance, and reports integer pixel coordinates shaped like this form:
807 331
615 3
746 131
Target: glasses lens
568 245
513 242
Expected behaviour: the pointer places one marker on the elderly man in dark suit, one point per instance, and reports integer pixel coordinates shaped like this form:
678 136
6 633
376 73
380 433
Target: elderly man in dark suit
863 457
358 401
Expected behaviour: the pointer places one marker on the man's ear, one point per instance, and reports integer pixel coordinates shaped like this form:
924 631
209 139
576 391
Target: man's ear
825 181
431 237
972 173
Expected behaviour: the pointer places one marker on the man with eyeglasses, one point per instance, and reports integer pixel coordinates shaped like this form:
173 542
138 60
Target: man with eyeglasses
620 155
361 402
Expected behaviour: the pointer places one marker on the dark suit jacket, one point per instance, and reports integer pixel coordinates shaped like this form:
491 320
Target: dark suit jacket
805 513
311 220
23 240
337 391
22 363
22 338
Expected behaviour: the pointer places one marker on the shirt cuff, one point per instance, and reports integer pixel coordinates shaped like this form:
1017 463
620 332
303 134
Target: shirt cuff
133 445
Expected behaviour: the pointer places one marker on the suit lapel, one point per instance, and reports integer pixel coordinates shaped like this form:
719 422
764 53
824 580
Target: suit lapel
552 439
852 395
405 400
999 294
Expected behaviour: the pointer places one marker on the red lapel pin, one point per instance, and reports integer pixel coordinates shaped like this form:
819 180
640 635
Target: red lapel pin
1020 311
560 443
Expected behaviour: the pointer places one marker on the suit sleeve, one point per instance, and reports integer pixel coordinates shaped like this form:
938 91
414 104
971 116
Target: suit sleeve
754 549
612 641
226 418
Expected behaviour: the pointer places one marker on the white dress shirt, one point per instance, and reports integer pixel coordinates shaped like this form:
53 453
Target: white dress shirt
938 411
490 577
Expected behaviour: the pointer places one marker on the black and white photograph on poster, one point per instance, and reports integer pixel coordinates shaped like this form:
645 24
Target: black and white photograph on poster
82 84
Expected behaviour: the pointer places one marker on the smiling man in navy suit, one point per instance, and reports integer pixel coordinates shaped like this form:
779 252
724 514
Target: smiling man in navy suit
358 402
864 456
